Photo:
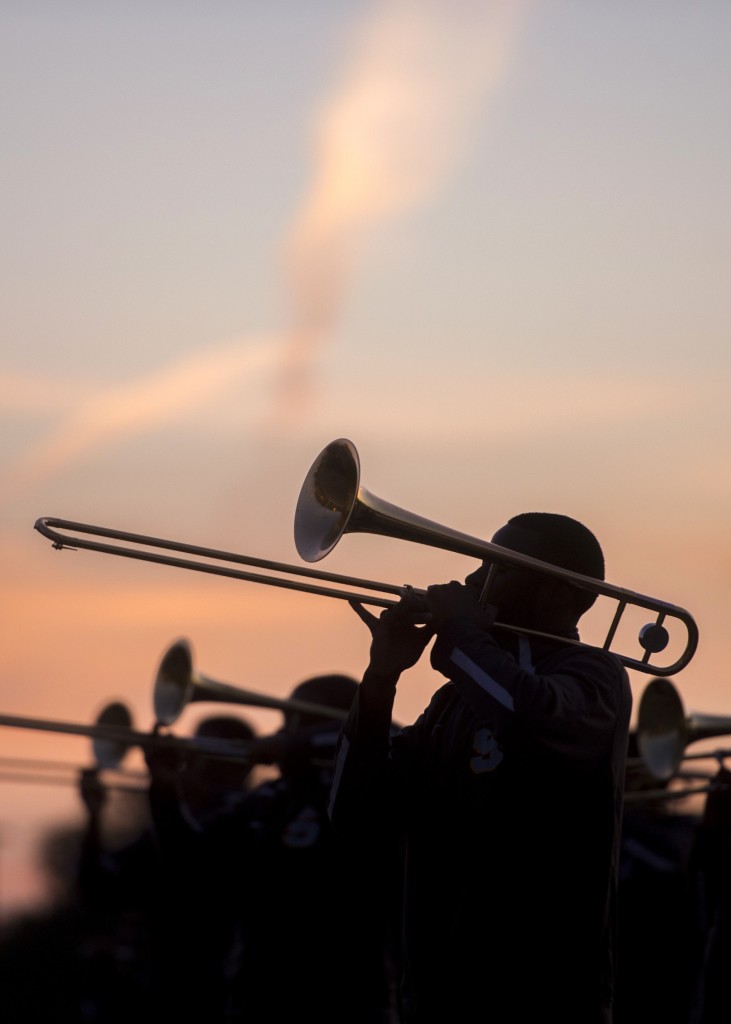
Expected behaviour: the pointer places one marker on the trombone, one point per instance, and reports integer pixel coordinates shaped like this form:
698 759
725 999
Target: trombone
331 503
664 730
178 684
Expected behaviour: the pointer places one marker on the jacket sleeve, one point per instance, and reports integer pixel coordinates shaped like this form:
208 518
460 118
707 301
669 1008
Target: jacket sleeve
572 706
371 760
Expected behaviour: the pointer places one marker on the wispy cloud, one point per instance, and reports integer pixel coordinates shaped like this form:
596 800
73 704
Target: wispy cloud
387 139
186 387
218 380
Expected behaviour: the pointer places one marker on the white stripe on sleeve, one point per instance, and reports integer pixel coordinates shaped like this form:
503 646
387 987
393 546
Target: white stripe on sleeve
339 765
482 678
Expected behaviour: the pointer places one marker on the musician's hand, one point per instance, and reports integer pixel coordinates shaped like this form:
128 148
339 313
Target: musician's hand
398 635
92 790
458 601
164 763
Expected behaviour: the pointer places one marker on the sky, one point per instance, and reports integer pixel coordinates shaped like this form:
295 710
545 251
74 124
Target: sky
488 242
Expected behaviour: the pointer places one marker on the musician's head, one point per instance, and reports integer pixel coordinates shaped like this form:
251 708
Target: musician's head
533 599
311 733
213 775
326 691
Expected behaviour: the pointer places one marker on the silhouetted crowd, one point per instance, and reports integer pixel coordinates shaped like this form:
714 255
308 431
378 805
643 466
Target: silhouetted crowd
675 868
224 902
230 902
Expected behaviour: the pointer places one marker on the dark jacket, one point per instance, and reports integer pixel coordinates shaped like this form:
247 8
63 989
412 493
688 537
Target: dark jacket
508 789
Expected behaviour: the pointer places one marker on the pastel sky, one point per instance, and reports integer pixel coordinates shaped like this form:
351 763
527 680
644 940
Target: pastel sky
486 241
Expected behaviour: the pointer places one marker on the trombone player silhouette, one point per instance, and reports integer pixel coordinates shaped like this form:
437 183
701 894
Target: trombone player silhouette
508 788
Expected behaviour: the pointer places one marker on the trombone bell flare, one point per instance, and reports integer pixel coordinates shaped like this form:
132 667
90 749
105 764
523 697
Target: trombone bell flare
332 502
664 730
661 728
110 752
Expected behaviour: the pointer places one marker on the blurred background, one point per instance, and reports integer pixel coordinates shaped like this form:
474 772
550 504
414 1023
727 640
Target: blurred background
486 241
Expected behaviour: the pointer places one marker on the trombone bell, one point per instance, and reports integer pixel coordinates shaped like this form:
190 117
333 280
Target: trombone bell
328 498
664 730
661 728
332 502
173 688
110 752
